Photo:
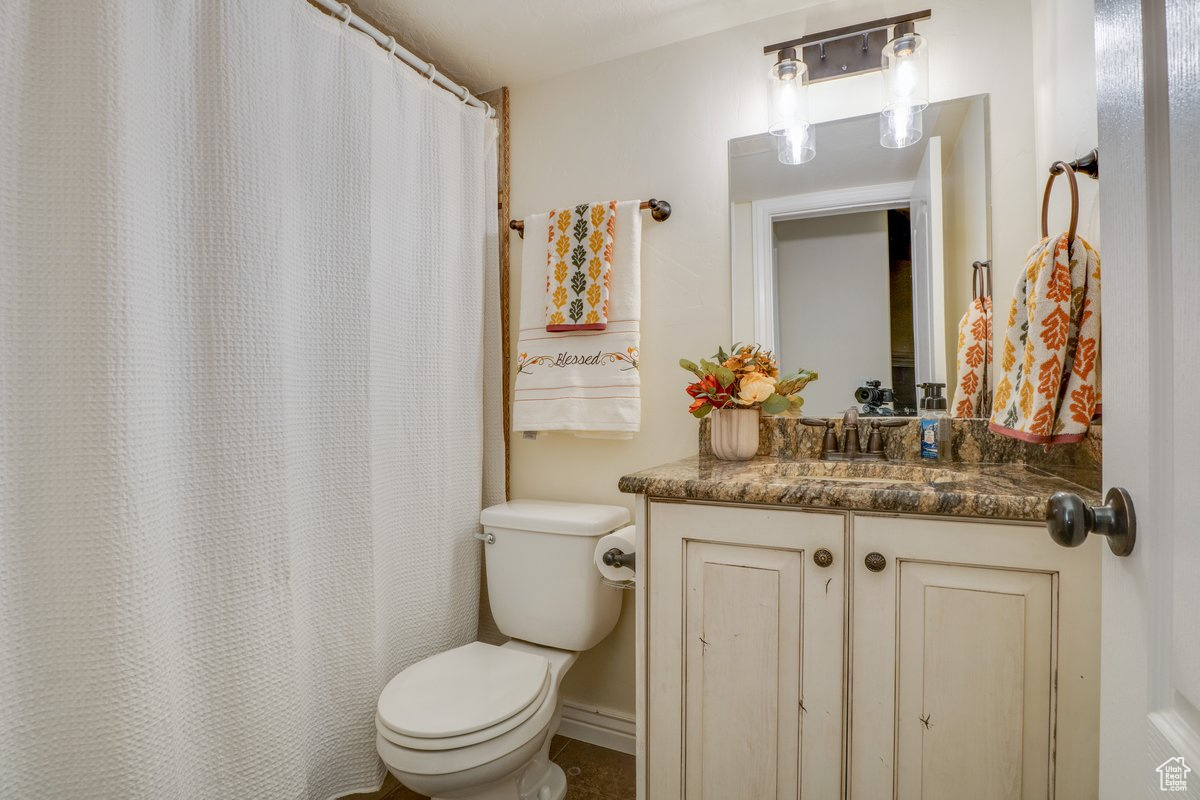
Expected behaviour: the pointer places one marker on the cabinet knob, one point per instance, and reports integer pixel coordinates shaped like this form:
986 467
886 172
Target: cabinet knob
1069 520
875 562
823 558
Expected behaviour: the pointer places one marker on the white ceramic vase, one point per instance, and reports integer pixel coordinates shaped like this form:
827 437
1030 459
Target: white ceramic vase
734 433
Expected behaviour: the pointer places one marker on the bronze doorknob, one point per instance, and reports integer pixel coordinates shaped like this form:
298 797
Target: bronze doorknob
1069 520
823 558
875 562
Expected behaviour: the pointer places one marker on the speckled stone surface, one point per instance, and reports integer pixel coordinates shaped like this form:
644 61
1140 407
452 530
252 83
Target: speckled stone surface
993 491
973 443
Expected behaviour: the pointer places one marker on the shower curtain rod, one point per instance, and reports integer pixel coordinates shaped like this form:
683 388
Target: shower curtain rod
343 12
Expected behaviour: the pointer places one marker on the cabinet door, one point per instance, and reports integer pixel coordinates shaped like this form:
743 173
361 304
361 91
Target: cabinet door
974 662
745 657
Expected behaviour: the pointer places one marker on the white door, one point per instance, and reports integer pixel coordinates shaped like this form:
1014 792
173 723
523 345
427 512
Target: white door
929 321
1148 91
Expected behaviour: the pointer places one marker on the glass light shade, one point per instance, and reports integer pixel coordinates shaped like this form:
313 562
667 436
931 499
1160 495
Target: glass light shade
797 145
789 96
905 63
900 127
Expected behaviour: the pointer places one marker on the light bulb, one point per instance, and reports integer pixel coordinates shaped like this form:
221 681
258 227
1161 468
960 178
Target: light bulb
905 87
905 63
906 77
788 94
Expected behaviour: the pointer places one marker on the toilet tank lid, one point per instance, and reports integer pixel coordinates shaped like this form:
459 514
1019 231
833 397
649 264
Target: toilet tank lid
548 516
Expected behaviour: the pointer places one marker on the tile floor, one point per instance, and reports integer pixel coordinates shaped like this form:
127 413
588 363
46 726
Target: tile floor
593 773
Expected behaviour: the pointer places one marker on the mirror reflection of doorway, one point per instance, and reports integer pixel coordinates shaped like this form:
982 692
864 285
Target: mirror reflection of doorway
845 292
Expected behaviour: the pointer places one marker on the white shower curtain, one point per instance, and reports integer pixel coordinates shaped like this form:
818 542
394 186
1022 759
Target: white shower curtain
248 325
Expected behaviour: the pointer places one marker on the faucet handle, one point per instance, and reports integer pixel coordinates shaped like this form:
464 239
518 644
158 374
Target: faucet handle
830 443
875 441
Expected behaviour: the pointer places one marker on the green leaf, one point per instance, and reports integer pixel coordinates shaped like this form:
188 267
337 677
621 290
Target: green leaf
724 376
578 282
708 366
795 404
691 367
721 356
775 404
702 411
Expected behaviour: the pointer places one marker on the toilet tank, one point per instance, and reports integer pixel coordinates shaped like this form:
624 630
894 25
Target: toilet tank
542 583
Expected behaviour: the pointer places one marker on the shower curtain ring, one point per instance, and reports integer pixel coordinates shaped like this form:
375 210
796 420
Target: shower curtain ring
466 95
391 46
349 12
431 72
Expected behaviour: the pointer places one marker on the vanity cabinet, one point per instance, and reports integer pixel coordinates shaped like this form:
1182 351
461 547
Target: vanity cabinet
974 661
745 678
799 653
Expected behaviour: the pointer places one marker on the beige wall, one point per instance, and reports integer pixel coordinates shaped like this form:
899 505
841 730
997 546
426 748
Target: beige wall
1064 69
657 124
965 225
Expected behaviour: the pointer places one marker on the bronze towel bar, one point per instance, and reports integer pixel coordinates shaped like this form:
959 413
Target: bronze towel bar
660 210
1087 164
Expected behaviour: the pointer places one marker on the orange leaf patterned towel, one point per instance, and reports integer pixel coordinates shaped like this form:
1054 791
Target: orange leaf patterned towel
1049 371
579 245
971 395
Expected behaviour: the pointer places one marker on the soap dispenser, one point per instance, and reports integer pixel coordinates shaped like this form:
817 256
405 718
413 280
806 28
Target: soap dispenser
935 422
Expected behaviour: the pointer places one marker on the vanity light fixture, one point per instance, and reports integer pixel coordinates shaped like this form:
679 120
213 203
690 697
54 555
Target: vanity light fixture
905 64
837 53
789 120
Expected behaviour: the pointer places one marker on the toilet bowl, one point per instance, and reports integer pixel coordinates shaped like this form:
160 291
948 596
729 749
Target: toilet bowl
475 722
493 742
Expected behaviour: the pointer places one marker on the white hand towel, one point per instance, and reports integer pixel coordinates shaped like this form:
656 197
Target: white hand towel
586 382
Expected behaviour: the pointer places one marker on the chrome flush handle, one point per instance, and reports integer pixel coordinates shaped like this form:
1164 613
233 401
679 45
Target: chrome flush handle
486 538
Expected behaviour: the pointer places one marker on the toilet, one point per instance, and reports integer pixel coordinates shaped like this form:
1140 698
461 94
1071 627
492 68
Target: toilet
475 722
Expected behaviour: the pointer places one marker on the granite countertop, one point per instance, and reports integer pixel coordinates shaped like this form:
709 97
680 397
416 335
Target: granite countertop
995 491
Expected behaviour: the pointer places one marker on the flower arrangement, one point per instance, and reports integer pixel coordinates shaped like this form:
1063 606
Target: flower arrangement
748 377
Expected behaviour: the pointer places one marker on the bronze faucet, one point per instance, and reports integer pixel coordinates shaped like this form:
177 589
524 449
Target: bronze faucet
850 449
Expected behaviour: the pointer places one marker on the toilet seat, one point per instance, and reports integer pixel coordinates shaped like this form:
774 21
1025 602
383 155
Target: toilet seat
462 697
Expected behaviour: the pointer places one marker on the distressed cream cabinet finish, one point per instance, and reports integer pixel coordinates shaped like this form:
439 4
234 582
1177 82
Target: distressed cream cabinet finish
967 667
745 655
974 662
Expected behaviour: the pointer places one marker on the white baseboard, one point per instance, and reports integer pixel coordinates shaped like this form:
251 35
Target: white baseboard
600 727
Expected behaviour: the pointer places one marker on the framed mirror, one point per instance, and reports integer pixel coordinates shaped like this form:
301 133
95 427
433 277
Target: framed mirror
859 263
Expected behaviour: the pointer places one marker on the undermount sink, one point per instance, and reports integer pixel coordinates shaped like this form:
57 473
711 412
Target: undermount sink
859 472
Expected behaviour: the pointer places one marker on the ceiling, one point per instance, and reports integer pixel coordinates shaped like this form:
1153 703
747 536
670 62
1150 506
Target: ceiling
848 155
487 43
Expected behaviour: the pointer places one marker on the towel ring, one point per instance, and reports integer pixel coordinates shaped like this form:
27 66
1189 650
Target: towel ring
979 280
1056 169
